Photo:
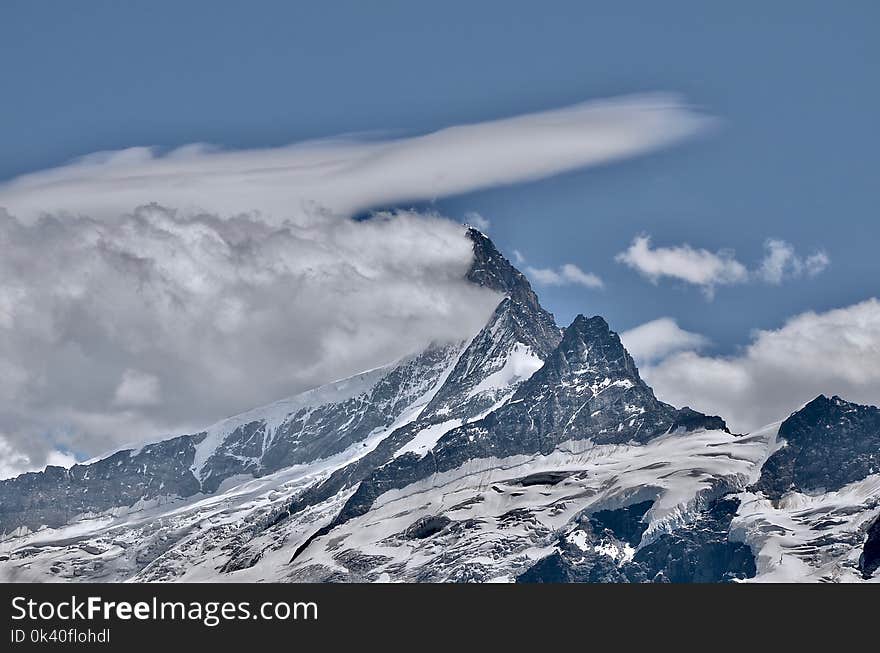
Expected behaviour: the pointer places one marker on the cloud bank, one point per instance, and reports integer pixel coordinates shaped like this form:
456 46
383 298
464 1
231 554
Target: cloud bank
111 332
834 352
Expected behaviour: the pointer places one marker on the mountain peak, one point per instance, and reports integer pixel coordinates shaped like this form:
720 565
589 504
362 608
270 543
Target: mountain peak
591 341
593 325
830 442
490 269
823 405
475 234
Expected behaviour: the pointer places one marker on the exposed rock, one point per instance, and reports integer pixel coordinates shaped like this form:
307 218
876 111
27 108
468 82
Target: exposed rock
869 561
427 526
828 444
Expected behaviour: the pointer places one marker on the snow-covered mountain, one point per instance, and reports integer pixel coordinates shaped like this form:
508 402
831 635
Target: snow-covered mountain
526 453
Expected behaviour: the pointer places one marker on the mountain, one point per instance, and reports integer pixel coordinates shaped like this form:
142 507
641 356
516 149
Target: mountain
526 453
344 419
813 513
589 388
336 420
830 443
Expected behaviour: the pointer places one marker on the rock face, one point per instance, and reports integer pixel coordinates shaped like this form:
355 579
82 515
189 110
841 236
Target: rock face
526 453
57 495
869 561
491 270
812 514
589 388
829 443
317 424
305 433
699 552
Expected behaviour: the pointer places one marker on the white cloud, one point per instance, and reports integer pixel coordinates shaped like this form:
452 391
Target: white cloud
545 276
782 262
779 258
572 273
177 321
566 274
706 269
60 459
13 462
696 266
476 220
659 338
816 263
835 352
518 259
346 176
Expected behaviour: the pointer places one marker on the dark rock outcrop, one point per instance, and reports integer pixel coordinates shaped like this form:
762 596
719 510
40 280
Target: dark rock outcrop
589 388
829 443
491 270
869 561
57 495
625 524
698 552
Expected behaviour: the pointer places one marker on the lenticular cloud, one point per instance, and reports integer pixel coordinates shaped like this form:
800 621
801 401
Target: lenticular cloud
345 176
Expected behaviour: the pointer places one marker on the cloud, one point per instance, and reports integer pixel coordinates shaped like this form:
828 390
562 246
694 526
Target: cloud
659 338
14 462
566 274
695 266
474 219
573 274
189 285
781 262
835 352
137 388
706 269
117 331
346 176
816 263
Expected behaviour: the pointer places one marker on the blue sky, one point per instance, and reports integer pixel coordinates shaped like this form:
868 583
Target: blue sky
793 156
794 84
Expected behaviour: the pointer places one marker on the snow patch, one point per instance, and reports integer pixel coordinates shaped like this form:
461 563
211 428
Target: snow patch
425 439
520 364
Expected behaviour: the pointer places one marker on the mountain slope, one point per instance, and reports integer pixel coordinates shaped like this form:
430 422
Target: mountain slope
342 426
308 427
524 454
289 432
588 389
811 514
829 443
